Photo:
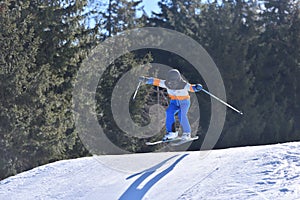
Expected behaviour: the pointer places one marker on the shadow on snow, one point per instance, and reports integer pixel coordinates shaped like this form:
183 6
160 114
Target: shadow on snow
134 193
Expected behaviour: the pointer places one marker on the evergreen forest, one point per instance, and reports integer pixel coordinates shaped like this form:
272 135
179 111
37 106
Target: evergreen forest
43 43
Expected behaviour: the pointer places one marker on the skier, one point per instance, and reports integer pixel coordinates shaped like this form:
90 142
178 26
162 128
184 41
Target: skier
178 91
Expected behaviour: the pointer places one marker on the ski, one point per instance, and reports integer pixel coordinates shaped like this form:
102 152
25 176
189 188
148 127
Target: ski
163 141
184 141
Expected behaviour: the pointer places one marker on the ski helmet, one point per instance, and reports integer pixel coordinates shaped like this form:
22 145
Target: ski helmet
174 80
173 75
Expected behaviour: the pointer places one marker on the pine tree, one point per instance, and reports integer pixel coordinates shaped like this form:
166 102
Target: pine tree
277 68
64 43
44 43
231 32
19 83
118 16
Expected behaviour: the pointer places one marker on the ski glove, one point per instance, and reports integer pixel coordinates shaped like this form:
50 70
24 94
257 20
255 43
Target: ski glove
143 79
199 87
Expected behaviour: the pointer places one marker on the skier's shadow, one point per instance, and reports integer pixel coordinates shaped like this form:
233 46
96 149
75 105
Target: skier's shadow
134 193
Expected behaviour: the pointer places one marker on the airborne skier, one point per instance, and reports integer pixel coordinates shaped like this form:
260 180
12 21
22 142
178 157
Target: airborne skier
178 91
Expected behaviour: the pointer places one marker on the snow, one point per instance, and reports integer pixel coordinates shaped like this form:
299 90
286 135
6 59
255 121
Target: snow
260 172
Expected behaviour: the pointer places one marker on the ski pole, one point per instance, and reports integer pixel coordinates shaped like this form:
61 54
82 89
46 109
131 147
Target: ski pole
230 106
137 88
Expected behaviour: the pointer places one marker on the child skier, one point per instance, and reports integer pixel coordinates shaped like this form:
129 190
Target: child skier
178 91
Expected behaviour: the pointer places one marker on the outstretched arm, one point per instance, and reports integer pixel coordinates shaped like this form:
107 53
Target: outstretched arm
152 81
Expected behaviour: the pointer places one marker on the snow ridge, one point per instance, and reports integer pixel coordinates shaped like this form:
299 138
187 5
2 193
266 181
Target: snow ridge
261 172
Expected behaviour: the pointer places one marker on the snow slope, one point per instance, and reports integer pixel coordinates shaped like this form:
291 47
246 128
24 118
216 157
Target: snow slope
261 172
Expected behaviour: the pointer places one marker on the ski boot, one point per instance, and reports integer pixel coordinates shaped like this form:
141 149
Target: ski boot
170 136
186 136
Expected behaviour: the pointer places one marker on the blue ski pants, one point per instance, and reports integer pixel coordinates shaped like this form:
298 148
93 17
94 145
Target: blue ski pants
180 107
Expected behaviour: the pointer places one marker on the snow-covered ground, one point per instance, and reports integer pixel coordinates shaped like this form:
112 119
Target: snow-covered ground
262 172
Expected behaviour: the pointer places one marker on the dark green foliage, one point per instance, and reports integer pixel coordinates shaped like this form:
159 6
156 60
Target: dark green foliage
104 92
257 52
19 50
41 47
277 68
